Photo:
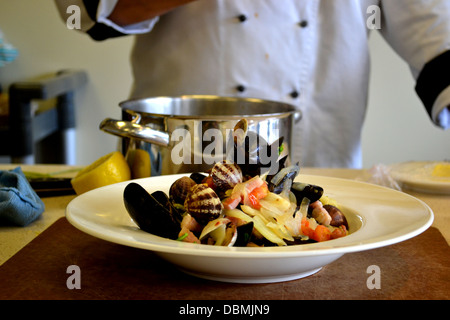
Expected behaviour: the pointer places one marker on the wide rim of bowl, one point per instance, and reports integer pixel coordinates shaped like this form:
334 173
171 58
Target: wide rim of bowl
115 226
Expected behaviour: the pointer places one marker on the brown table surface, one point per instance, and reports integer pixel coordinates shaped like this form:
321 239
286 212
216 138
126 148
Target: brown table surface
34 262
414 269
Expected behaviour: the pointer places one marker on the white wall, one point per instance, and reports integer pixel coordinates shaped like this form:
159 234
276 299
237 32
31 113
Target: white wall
397 127
45 45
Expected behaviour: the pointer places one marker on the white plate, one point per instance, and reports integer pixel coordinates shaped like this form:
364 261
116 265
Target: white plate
417 175
377 217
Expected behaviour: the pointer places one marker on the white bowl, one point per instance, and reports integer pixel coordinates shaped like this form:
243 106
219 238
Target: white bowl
377 217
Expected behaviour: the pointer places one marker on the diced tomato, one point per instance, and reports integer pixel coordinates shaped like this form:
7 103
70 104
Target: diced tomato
260 192
306 230
322 233
254 202
339 232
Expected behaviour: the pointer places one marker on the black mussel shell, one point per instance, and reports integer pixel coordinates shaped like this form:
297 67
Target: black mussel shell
281 164
164 200
150 211
255 156
297 241
273 162
252 152
283 179
244 234
198 177
310 191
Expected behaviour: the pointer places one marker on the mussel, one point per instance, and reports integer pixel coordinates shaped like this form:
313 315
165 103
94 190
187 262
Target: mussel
198 177
153 213
252 152
305 190
283 180
240 131
244 234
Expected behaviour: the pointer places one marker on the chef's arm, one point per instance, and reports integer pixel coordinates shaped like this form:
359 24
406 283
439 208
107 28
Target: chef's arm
104 19
128 12
433 88
419 31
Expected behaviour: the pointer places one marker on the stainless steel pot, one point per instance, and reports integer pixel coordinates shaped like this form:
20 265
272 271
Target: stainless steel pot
190 133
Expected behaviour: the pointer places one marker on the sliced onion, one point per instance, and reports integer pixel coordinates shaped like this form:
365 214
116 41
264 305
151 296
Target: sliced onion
266 232
304 205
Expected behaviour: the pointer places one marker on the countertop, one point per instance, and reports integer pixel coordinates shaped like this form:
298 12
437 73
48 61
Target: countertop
14 239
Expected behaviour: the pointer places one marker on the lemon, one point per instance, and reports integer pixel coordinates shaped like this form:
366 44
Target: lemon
139 163
441 170
109 169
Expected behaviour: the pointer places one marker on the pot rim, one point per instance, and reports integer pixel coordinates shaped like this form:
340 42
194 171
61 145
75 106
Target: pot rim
139 105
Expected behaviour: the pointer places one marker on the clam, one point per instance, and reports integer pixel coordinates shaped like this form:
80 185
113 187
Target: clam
151 212
180 189
226 174
203 203
221 230
225 233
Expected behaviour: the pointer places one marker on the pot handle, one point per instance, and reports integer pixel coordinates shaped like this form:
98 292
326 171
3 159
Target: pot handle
297 116
127 129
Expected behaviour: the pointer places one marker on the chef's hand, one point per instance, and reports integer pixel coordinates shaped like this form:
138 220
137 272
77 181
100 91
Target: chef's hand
127 12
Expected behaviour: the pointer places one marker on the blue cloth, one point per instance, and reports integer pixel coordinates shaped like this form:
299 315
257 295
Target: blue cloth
19 203
8 52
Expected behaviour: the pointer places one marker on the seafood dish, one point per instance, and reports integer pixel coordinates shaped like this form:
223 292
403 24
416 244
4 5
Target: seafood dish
237 204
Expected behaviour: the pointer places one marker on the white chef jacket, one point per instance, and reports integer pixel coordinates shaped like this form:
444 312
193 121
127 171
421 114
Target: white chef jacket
312 54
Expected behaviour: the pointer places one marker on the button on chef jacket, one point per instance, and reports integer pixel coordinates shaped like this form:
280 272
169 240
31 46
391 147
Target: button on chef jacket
309 53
